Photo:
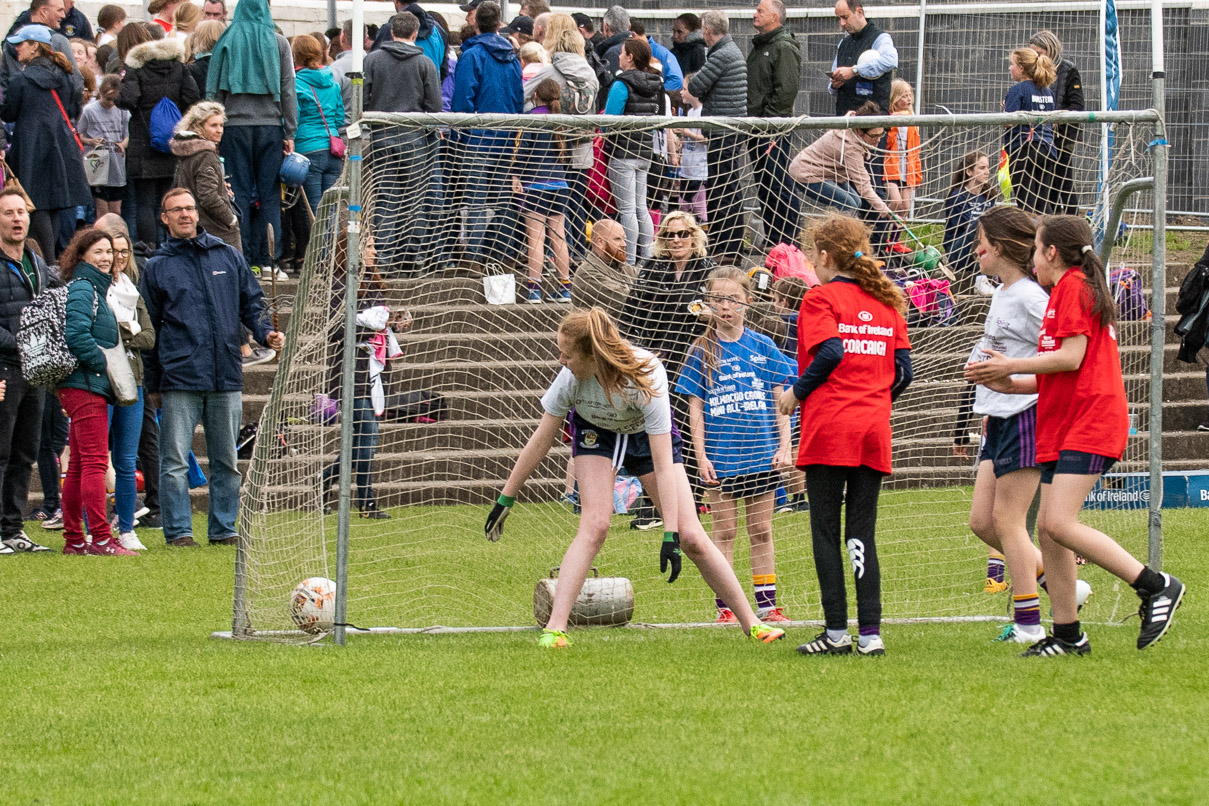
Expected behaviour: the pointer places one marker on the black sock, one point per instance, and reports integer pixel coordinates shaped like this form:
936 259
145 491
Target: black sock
1149 581
1068 632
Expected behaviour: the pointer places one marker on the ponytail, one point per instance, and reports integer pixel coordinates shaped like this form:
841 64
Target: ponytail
1037 67
60 60
846 241
707 342
1072 237
594 335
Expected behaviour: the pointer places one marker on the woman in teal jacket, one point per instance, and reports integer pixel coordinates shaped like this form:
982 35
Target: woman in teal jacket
319 98
85 393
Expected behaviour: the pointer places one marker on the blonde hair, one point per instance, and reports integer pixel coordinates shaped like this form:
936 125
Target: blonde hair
842 237
186 17
707 343
204 38
198 114
563 36
690 222
534 53
898 88
594 335
1036 67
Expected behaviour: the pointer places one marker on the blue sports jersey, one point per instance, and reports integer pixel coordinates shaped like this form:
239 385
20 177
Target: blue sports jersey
740 409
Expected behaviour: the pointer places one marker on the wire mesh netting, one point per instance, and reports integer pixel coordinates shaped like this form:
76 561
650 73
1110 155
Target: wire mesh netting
460 213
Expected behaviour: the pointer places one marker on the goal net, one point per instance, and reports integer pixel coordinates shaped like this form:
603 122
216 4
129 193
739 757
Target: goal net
448 386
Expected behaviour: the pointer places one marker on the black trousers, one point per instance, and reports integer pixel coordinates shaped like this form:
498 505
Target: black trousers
149 460
829 488
50 447
724 201
20 428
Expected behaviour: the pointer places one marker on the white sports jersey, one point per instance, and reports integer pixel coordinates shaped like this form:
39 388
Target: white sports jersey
1011 328
625 415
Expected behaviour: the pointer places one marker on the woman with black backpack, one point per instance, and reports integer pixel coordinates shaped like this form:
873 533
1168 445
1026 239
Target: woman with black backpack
155 82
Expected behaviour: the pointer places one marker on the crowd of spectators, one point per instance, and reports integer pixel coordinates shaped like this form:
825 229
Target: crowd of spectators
88 139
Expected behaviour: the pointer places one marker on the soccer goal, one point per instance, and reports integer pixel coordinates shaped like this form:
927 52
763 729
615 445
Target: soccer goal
460 393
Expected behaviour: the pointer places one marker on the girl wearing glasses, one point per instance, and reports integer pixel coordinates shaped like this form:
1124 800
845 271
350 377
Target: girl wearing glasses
854 359
732 378
617 395
126 422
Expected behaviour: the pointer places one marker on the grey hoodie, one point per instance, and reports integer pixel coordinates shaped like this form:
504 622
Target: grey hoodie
400 78
569 69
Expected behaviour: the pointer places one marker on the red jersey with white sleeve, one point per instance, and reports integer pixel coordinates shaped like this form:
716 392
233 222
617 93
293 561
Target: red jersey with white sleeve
846 421
1084 409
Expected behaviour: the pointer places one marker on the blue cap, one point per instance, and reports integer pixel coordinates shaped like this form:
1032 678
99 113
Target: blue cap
31 33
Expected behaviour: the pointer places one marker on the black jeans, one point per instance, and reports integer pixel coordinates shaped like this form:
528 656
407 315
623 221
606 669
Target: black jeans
780 204
50 448
828 488
20 427
149 460
148 194
724 199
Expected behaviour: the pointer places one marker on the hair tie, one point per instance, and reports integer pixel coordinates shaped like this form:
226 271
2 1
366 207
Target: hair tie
1086 249
858 253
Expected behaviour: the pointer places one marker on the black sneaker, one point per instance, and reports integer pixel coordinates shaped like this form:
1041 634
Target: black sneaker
823 645
645 524
1203 426
150 521
1052 645
37 514
1157 610
371 511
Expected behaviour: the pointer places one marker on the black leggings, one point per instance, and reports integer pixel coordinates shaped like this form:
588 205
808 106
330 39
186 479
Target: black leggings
825 487
147 195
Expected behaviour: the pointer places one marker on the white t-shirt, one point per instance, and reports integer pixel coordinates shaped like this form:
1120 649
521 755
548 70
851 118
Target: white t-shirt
1011 328
627 415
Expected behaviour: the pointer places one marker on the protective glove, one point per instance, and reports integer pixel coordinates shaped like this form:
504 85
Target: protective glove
499 513
669 552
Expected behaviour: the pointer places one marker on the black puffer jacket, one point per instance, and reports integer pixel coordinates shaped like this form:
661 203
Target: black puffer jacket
15 294
656 314
154 70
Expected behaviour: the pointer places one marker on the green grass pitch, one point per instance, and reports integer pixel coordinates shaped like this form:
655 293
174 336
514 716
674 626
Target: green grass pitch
114 693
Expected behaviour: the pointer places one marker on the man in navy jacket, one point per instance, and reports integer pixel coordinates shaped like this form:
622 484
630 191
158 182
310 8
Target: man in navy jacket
198 290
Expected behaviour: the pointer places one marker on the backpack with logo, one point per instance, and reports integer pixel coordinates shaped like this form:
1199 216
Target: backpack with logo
1127 292
42 339
162 123
603 75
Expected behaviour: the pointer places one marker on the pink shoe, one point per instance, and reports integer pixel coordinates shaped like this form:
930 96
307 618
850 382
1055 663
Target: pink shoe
81 549
725 616
111 548
773 616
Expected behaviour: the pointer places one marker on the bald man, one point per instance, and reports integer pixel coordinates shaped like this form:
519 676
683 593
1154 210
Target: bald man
603 277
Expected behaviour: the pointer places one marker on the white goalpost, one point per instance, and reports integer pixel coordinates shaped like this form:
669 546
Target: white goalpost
412 227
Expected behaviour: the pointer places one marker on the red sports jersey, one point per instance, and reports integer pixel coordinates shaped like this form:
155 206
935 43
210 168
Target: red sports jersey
846 421
1085 409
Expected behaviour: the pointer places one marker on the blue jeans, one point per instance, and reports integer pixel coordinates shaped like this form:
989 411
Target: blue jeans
253 160
125 429
365 441
325 170
830 194
50 448
487 187
219 414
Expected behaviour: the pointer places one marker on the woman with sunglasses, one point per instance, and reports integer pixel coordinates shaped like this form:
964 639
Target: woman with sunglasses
833 173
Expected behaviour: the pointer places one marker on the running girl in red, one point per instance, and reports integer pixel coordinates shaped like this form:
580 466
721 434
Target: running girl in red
854 360
1082 426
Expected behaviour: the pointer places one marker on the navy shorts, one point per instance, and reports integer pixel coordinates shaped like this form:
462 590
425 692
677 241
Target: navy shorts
631 451
751 484
545 201
1010 443
1075 463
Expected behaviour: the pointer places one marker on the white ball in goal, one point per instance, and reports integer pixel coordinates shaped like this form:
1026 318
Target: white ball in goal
313 605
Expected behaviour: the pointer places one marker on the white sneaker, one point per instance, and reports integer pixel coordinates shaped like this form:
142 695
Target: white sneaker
872 645
140 512
1021 635
1082 592
984 285
281 275
129 540
21 543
